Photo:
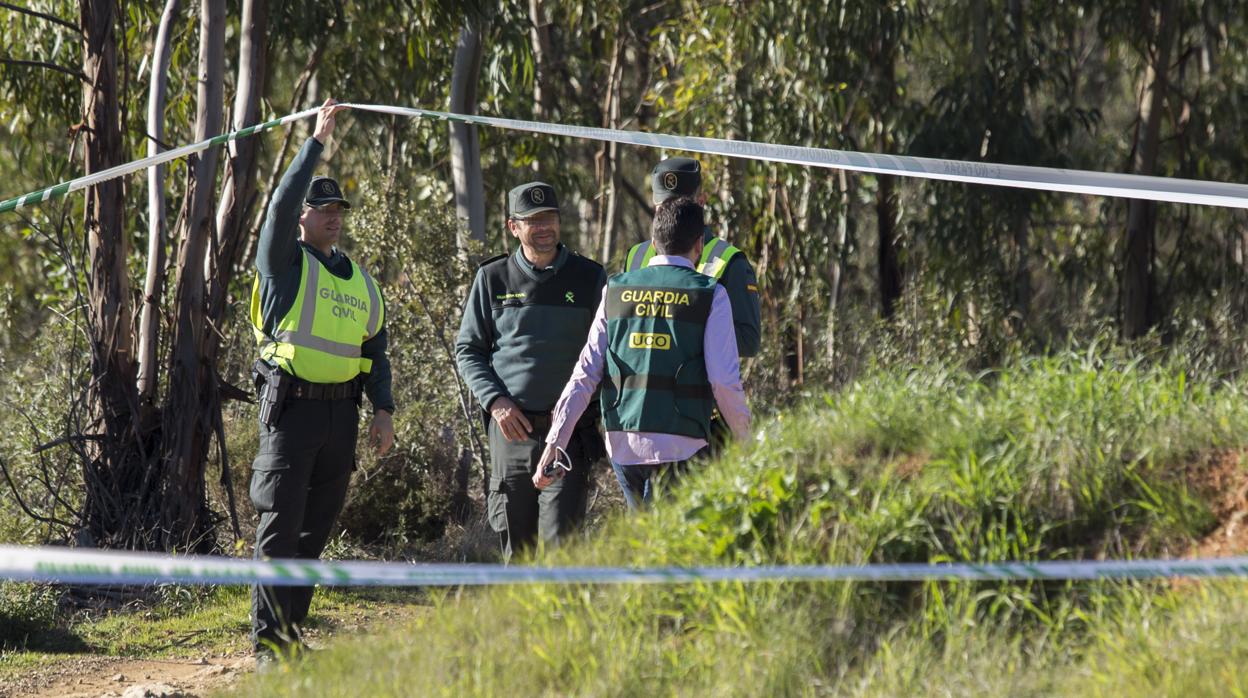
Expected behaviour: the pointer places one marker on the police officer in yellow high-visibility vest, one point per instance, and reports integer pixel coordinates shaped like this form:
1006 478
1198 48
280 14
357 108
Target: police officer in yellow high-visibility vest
676 177
319 319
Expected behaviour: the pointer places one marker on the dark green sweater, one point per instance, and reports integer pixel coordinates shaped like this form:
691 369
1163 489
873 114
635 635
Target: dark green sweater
278 262
523 328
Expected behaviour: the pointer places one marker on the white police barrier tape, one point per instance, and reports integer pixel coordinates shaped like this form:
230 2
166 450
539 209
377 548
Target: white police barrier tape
1020 176
73 185
1188 191
79 566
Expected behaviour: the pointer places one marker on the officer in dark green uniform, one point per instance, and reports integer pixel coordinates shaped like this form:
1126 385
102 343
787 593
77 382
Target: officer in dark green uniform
320 322
524 324
675 177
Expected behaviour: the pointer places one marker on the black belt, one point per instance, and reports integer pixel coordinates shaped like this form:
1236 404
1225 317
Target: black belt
539 420
303 390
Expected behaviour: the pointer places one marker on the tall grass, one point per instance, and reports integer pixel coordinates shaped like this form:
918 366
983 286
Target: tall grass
1075 456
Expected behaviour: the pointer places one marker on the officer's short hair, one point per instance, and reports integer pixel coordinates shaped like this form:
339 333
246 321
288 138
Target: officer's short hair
678 225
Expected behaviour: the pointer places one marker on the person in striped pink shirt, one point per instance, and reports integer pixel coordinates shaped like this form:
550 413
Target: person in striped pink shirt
663 349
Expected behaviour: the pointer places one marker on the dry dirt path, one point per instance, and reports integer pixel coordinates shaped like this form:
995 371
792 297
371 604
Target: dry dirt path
91 677
101 676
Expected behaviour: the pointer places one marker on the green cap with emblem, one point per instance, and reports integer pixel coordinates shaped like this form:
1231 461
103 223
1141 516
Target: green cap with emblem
675 177
325 190
530 199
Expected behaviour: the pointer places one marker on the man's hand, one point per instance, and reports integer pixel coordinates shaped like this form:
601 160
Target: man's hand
381 433
548 456
325 120
511 420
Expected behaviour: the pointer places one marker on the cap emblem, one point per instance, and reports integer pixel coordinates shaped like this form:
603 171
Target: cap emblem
670 181
327 187
537 195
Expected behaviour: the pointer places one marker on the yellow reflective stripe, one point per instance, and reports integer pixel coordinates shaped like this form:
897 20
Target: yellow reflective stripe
309 341
708 251
715 257
366 365
311 283
638 261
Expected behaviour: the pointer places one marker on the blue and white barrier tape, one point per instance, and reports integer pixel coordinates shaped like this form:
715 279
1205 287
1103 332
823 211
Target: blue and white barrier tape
1131 186
1187 191
80 566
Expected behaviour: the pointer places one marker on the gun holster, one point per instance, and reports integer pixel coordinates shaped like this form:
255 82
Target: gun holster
272 384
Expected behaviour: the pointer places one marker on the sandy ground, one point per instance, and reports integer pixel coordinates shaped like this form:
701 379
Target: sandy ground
95 676
92 677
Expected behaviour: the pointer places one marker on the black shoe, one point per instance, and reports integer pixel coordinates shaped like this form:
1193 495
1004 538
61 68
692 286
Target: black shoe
266 660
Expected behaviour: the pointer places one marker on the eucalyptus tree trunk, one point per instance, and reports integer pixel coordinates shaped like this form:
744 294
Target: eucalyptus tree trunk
1139 303
887 257
465 146
609 171
837 256
238 189
1020 223
112 397
738 220
539 39
153 286
191 409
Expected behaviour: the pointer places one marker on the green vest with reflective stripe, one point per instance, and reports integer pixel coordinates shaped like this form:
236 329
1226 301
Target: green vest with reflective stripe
716 254
656 373
319 338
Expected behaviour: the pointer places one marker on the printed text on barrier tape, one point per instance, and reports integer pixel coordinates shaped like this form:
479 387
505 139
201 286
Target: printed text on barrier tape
41 564
1019 176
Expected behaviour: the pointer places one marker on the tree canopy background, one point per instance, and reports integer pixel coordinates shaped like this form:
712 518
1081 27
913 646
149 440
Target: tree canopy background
853 269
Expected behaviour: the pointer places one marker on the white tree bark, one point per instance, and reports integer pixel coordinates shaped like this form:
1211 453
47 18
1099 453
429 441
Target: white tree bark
153 286
188 411
239 185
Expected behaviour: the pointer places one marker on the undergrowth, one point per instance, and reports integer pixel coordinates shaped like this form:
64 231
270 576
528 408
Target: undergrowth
1070 457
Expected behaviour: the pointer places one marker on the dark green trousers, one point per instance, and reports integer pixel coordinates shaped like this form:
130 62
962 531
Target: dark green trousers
517 510
298 485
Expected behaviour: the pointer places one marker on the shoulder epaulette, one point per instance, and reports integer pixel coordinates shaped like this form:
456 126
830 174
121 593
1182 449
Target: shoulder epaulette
493 259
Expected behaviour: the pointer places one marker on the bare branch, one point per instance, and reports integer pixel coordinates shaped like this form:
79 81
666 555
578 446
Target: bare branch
44 64
17 496
51 18
67 439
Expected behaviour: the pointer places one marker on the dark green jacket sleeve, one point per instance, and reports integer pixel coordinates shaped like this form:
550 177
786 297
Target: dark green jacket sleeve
278 247
377 385
742 287
475 344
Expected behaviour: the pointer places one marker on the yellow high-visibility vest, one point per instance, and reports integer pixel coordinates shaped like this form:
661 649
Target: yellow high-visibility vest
714 260
319 339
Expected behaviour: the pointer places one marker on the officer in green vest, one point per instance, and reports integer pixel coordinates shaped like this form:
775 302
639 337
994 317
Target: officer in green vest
319 320
524 323
663 350
676 177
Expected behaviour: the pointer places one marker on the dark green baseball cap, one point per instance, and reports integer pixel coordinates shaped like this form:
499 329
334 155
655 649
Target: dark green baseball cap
675 177
325 190
532 198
